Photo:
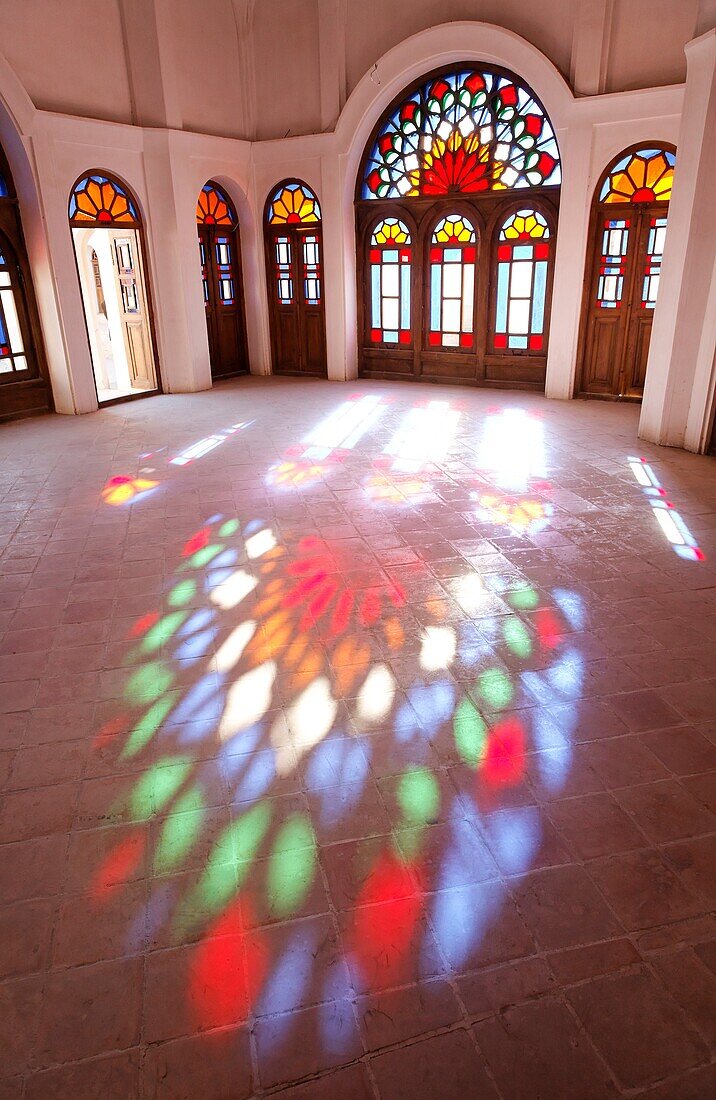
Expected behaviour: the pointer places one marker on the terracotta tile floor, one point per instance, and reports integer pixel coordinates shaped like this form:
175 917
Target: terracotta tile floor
367 750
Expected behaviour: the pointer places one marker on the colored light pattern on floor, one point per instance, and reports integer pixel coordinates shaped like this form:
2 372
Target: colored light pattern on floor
675 530
209 443
123 489
511 458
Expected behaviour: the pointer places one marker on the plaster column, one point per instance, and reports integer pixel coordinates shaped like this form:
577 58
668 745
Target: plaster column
575 146
680 368
338 272
174 270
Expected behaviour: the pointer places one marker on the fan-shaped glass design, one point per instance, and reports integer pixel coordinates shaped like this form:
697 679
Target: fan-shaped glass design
465 131
214 206
645 175
294 203
98 200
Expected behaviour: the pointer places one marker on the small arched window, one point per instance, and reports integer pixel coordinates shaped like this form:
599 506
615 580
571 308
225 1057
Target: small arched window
452 283
523 253
645 175
99 200
213 207
390 248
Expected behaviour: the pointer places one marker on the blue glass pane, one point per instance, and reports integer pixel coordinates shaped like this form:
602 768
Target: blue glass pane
3 187
538 296
522 252
375 295
503 275
390 256
452 255
436 272
390 337
3 330
517 341
405 296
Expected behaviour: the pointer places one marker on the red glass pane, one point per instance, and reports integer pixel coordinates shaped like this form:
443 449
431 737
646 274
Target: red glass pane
405 336
536 343
376 335
469 256
500 340
434 339
541 251
504 252
465 339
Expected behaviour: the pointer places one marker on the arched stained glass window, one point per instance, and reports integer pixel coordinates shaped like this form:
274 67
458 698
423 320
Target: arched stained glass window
214 207
522 263
466 131
452 283
390 282
645 175
294 203
99 200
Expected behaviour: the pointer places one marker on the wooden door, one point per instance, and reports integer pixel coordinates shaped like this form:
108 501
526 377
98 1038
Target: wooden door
133 312
628 244
220 252
24 386
298 323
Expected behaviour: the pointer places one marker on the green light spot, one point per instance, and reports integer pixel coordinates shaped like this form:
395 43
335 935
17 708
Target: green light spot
228 528
162 631
181 593
215 889
407 843
243 837
419 796
495 688
524 598
179 831
517 637
204 556
291 866
470 733
157 787
148 682
147 726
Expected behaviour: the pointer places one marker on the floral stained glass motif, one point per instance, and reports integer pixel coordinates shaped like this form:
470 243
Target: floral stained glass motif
294 204
466 131
12 348
612 263
452 283
643 176
522 262
98 200
390 282
214 207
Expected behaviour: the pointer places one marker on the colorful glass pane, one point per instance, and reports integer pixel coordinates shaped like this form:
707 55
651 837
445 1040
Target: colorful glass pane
214 207
390 282
12 347
654 256
466 131
4 192
311 270
294 204
98 200
283 270
643 176
612 263
452 283
522 262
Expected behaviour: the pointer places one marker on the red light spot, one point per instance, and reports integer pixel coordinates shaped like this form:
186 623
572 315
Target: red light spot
119 866
109 731
144 624
342 613
549 628
370 609
196 542
504 762
384 921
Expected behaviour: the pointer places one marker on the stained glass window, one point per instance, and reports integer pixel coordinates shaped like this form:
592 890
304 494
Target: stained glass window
390 282
284 276
294 203
214 206
224 270
522 261
452 283
12 348
99 200
466 131
642 176
654 254
612 264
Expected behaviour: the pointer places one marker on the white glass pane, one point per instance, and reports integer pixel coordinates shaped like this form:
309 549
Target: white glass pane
659 236
451 315
390 313
20 362
521 282
283 252
391 274
452 280
654 288
519 316
610 288
4 278
5 366
614 246
13 325
467 298
451 340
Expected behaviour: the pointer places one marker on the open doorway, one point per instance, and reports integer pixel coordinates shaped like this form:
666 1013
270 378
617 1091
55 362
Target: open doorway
107 238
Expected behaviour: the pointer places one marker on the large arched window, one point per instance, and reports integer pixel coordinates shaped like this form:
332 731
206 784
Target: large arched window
292 232
24 384
446 159
628 230
220 253
107 235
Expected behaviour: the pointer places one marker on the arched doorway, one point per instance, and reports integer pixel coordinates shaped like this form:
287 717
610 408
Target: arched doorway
295 280
456 212
626 244
220 250
107 235
24 381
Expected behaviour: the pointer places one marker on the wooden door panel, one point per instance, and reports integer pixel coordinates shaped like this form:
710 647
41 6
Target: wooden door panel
140 367
313 358
602 359
286 342
638 353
